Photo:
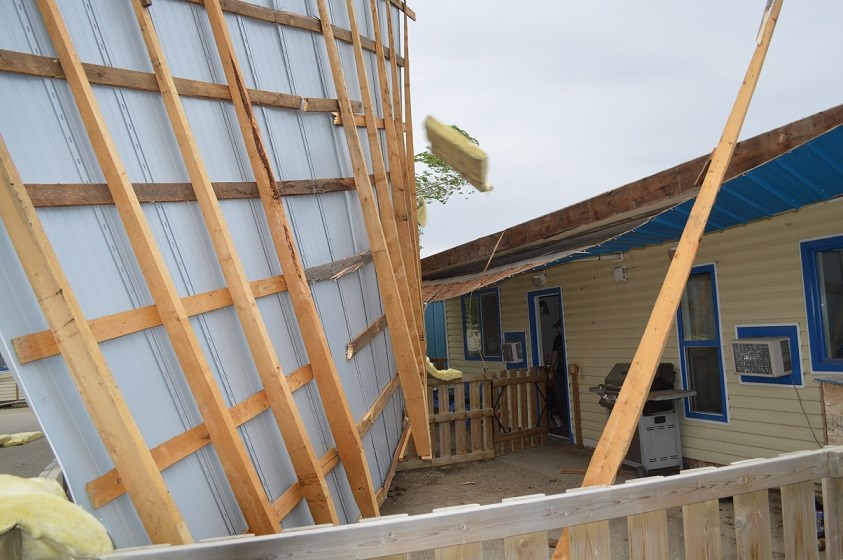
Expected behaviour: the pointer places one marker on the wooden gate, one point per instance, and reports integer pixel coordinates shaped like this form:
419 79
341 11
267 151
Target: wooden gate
520 406
479 415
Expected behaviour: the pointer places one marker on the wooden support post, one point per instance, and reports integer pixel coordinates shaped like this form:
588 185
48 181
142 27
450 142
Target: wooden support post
306 463
400 266
398 180
752 525
411 248
335 404
402 344
235 461
411 161
617 435
109 413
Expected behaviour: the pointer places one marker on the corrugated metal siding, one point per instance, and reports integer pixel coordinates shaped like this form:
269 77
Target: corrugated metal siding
38 116
759 276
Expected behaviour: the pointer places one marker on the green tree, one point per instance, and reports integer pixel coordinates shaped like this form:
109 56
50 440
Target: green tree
437 181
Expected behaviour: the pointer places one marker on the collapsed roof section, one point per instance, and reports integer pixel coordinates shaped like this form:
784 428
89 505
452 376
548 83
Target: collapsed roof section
207 305
611 214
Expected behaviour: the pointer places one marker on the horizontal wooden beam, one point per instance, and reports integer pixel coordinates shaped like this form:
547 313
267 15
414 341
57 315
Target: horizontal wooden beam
42 344
109 486
290 19
661 190
46 67
463 415
365 337
444 461
518 380
520 434
46 195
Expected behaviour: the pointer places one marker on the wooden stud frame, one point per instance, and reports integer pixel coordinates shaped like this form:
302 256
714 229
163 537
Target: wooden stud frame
109 413
405 201
399 265
140 476
241 473
338 412
279 395
403 346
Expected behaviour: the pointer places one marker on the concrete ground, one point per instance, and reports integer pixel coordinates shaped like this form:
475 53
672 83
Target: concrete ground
25 460
536 471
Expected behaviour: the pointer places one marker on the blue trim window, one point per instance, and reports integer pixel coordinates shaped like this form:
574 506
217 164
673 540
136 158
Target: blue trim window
822 271
481 325
698 322
3 366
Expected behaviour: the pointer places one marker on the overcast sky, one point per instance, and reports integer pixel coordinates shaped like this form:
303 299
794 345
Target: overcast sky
571 99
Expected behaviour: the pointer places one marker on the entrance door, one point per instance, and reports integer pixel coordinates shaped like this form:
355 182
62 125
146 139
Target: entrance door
545 308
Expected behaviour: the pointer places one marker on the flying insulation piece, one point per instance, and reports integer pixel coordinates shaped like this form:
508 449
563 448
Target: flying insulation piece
463 155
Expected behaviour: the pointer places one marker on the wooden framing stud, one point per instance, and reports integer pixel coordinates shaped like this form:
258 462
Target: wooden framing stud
278 392
401 267
403 346
235 461
335 404
109 413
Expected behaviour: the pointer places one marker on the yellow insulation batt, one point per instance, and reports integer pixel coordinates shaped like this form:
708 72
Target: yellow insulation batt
443 374
10 440
51 526
463 155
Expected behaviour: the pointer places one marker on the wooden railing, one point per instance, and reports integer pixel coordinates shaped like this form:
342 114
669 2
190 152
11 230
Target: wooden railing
522 523
461 421
520 403
479 416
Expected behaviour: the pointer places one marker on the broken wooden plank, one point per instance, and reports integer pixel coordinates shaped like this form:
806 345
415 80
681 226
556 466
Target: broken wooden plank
365 337
377 407
109 412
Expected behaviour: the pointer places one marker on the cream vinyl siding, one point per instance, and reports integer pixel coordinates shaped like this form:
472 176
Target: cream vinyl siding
8 388
759 282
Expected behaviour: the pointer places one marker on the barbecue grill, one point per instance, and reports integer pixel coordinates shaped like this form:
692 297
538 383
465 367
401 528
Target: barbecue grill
656 444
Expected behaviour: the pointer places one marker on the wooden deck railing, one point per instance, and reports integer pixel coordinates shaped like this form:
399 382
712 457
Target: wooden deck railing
479 416
523 523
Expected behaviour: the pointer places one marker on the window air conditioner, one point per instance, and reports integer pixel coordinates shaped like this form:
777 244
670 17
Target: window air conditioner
762 357
513 352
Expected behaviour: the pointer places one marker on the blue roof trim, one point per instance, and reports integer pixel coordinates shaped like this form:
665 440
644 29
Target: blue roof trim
810 173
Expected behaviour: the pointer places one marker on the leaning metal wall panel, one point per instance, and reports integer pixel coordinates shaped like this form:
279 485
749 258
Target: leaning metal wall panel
48 143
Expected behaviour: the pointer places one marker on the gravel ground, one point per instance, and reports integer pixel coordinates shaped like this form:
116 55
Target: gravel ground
25 460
